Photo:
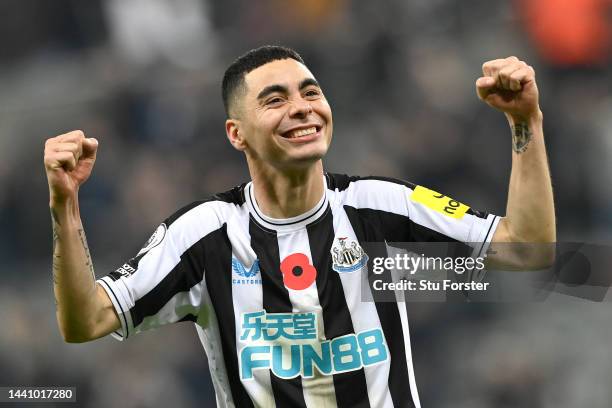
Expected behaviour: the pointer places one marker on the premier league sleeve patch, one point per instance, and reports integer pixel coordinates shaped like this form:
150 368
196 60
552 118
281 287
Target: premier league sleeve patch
155 240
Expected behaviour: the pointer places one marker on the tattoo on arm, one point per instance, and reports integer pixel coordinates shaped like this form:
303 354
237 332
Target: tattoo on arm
56 257
521 136
56 224
56 261
88 262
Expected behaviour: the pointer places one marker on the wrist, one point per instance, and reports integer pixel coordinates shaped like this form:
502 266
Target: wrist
533 119
523 130
65 207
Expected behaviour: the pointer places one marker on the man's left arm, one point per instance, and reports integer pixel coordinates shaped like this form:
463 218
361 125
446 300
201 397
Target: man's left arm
509 85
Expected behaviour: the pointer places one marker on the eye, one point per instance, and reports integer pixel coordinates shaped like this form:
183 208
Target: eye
274 101
312 92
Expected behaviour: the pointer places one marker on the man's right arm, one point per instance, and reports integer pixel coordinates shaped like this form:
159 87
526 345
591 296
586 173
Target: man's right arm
84 310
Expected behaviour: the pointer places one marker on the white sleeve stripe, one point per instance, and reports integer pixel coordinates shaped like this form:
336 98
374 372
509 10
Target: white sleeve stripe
377 195
486 240
474 275
123 334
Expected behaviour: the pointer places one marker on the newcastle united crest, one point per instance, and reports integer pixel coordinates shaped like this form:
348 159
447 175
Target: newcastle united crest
347 255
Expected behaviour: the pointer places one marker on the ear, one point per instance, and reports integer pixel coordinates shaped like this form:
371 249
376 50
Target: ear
232 127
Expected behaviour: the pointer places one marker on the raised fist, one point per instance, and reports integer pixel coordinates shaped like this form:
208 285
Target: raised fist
69 160
509 85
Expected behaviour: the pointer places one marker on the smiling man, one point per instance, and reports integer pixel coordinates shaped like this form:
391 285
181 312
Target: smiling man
271 271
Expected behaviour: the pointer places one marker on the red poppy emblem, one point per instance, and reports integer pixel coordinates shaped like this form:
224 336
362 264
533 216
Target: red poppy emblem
298 273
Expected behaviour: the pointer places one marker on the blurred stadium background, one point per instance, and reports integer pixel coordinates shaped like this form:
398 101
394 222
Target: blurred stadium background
143 76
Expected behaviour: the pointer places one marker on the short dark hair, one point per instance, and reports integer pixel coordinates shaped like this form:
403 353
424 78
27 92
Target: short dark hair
233 79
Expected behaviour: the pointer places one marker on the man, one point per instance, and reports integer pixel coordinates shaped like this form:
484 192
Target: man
270 271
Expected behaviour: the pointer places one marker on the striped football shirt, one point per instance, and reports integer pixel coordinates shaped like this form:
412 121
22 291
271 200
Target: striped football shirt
277 303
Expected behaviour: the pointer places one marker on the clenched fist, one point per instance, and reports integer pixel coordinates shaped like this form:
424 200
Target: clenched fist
509 85
69 159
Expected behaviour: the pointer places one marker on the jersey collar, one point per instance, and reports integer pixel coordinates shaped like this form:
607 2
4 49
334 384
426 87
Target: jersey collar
285 224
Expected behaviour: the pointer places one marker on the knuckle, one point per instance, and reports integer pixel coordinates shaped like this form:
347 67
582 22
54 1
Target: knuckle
72 147
488 65
51 142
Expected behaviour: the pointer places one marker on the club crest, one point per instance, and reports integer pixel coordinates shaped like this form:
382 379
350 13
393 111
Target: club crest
347 255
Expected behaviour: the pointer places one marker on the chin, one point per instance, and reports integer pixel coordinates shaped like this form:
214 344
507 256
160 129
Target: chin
305 160
312 154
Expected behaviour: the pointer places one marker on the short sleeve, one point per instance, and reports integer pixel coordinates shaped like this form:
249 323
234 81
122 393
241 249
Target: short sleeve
406 212
437 217
162 284
406 215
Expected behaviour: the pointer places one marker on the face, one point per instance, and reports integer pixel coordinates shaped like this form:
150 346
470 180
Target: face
284 119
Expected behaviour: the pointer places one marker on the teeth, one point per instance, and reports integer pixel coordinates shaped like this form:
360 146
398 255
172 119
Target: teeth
302 132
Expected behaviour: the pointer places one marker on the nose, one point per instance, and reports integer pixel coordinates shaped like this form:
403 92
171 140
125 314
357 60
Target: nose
300 108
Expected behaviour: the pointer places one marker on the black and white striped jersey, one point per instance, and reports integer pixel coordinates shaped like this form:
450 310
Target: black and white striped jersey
277 303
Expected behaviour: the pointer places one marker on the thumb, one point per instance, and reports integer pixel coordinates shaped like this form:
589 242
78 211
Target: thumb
484 86
90 147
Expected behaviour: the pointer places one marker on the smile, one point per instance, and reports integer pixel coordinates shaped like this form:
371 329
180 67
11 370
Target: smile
298 133
302 132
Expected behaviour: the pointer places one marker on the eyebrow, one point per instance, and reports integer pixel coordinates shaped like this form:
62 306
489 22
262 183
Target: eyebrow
308 82
283 89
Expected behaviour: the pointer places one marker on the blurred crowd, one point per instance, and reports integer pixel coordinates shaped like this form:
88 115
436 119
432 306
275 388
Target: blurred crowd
143 77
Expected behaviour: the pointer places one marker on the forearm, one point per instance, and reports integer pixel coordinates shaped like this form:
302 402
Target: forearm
530 212
73 274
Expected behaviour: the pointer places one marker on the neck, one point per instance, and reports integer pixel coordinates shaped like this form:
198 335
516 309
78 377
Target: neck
288 194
